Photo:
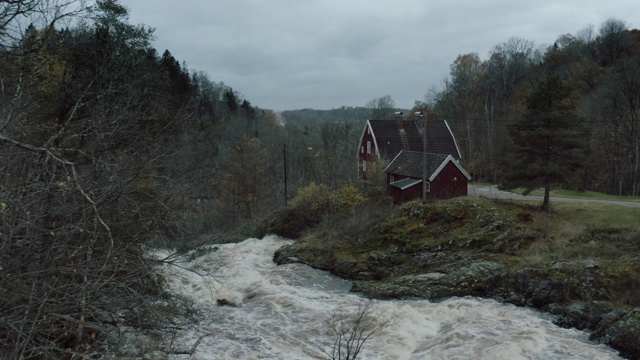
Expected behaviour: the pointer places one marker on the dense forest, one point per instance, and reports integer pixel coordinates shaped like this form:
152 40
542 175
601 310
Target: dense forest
483 99
108 148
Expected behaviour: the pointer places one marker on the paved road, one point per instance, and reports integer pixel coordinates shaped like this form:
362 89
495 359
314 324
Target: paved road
492 192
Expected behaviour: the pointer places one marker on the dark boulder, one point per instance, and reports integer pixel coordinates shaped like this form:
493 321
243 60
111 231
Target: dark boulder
621 331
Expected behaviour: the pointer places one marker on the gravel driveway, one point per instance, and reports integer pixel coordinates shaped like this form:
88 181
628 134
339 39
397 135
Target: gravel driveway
492 192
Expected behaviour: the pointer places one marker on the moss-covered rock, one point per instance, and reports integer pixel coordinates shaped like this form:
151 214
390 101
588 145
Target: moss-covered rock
477 278
580 314
561 282
622 333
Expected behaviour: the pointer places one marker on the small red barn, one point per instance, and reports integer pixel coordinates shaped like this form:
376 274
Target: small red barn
384 139
445 177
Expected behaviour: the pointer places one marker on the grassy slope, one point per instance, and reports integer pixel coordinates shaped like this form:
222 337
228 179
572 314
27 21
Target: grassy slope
387 243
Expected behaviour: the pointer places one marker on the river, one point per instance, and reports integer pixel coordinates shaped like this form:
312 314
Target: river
281 312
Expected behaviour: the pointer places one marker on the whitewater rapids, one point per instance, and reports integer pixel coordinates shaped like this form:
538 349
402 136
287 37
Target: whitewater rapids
280 312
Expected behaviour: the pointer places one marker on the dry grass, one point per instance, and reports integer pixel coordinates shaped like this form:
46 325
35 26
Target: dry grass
579 231
590 214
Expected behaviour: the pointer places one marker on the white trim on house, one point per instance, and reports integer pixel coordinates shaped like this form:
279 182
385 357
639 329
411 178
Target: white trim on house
368 129
444 163
364 131
375 141
392 160
408 184
455 142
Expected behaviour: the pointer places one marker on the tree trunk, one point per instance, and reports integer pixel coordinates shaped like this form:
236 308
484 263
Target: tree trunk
635 169
545 201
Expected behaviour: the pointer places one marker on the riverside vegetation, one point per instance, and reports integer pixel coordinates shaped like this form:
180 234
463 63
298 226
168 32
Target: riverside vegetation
584 273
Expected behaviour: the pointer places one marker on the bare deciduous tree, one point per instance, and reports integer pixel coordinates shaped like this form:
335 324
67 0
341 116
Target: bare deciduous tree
350 330
382 107
83 137
613 38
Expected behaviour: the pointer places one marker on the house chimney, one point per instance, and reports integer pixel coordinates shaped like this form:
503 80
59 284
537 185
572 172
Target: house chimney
400 120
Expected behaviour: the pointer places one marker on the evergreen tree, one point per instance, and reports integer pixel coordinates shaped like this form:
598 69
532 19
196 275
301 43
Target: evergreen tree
549 141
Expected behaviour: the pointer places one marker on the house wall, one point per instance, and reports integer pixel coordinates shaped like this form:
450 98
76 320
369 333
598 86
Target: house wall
449 183
403 196
394 177
364 155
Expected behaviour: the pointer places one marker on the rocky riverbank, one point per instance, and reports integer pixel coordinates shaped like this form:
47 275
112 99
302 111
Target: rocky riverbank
476 247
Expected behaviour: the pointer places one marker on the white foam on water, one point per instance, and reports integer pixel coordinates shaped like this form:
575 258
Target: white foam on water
281 312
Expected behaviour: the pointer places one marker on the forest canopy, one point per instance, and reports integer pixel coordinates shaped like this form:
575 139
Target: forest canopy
600 67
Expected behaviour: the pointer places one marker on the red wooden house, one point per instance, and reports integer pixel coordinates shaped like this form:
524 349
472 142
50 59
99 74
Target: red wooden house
384 139
445 177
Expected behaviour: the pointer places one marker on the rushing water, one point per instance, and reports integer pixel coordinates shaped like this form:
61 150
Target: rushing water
280 312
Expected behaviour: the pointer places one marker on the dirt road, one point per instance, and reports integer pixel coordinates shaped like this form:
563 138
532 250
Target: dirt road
492 192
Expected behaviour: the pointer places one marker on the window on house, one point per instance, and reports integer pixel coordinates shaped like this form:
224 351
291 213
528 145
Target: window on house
368 147
364 166
362 149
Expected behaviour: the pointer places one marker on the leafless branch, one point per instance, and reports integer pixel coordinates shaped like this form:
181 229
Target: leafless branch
350 330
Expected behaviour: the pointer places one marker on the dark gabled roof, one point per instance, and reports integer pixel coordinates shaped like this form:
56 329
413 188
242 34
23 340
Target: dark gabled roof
409 164
391 138
440 139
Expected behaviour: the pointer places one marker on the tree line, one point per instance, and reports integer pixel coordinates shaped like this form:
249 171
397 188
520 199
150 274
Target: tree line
483 99
108 148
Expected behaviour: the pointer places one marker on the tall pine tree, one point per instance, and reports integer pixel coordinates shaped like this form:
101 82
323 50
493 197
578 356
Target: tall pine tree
549 141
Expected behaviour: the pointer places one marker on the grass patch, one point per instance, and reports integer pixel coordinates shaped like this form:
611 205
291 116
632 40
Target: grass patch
574 194
579 231
592 214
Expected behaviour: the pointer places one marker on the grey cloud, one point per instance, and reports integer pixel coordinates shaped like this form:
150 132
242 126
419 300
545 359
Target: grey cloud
288 54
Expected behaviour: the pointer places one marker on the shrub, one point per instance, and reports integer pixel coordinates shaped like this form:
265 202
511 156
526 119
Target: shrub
319 198
312 197
347 197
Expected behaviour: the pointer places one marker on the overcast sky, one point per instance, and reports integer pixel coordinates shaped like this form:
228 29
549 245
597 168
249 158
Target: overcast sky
323 54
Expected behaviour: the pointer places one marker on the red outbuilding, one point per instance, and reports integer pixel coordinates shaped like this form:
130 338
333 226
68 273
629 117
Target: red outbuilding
445 177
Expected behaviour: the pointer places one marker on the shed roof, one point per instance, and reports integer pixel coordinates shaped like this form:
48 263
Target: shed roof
409 164
405 183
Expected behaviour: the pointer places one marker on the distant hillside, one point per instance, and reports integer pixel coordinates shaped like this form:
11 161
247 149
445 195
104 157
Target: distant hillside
342 114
